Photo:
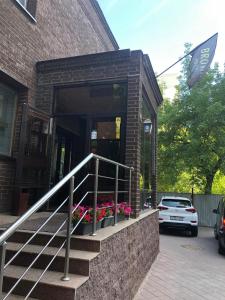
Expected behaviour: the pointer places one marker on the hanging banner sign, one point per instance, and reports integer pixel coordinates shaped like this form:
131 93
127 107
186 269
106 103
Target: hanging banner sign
202 57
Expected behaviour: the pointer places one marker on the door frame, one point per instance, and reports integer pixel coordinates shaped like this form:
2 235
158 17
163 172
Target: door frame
21 160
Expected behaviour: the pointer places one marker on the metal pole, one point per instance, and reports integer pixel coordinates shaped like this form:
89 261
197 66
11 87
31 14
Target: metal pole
154 162
68 235
189 53
2 264
129 197
192 196
116 194
95 197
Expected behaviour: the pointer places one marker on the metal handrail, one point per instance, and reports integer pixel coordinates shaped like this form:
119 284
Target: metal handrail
69 177
39 254
43 225
36 232
6 234
51 261
107 177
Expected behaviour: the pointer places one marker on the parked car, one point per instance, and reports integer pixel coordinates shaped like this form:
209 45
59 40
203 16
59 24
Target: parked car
219 228
179 213
148 202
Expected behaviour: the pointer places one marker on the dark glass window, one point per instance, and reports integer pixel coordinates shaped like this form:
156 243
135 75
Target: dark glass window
8 98
106 138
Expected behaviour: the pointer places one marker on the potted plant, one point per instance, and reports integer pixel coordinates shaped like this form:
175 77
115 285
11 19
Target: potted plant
123 211
86 225
109 218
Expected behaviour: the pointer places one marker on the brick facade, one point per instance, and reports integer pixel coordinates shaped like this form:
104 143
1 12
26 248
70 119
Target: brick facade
74 31
62 29
7 173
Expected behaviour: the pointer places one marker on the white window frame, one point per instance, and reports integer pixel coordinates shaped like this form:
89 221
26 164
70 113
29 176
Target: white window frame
24 7
23 2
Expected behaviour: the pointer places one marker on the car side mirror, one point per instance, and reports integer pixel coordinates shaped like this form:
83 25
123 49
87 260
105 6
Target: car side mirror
215 211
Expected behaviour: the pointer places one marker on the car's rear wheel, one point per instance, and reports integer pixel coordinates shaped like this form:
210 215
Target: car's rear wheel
215 233
221 250
194 231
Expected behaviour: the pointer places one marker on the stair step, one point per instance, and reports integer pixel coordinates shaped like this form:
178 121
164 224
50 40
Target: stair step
15 297
50 286
77 242
79 260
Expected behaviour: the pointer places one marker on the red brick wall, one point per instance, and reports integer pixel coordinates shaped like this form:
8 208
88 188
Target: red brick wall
63 28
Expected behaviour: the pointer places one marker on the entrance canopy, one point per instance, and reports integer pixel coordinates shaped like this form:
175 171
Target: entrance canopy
97 92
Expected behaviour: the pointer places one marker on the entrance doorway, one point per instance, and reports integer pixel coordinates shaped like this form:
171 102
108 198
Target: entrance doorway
100 135
69 147
88 119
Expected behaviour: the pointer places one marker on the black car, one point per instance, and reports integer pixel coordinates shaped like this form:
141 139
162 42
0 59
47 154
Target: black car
219 228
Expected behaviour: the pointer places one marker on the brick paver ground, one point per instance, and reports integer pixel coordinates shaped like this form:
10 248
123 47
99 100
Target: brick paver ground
186 268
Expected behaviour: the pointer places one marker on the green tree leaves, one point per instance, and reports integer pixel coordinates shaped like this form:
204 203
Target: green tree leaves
192 132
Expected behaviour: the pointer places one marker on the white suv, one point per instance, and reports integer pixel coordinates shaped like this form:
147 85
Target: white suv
178 212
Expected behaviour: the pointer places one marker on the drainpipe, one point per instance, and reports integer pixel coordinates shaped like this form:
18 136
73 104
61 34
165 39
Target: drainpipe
154 161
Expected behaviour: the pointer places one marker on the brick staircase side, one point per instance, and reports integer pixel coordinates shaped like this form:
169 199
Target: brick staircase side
50 286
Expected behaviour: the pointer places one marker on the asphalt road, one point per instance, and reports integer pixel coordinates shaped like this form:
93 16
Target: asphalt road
186 268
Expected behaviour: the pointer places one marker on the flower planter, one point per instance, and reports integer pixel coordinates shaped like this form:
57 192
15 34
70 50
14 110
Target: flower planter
107 221
85 228
121 218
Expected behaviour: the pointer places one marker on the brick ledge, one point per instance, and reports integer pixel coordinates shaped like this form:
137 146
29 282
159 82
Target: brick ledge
107 232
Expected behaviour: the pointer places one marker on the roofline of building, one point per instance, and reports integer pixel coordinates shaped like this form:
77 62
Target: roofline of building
82 60
152 79
105 24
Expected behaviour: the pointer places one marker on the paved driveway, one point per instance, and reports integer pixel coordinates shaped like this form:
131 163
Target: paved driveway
186 268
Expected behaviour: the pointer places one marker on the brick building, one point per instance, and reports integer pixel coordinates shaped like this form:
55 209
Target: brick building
66 90
54 54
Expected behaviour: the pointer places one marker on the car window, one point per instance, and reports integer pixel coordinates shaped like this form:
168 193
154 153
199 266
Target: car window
176 203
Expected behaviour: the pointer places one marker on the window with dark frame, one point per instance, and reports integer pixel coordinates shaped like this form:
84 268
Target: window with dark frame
29 6
8 100
145 148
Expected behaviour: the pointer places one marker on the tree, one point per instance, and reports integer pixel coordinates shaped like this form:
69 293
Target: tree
192 130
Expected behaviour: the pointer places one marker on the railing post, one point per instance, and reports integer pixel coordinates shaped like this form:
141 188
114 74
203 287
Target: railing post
116 194
68 235
95 197
129 192
2 264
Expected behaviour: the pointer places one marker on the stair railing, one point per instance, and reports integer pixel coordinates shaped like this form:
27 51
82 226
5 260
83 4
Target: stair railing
68 221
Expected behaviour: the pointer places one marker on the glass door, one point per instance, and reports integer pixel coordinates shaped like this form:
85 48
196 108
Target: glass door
33 162
106 138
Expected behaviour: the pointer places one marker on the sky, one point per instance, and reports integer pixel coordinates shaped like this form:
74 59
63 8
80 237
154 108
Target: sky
161 27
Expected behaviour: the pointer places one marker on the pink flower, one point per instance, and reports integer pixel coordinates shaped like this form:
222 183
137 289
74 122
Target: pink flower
127 211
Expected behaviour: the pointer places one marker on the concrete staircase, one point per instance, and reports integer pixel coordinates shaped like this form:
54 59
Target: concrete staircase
50 287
